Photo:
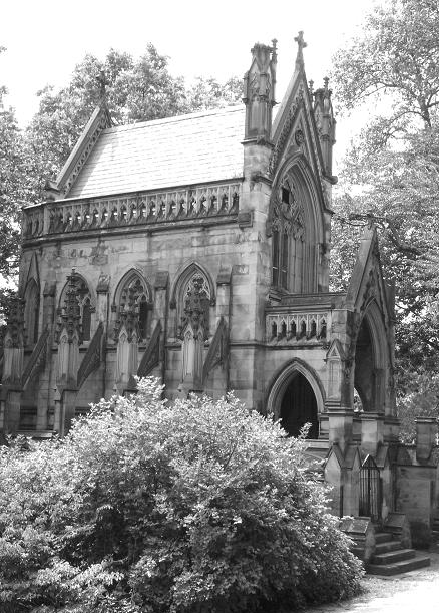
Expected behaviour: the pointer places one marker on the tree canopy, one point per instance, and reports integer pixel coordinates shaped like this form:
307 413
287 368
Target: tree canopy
390 174
156 507
397 54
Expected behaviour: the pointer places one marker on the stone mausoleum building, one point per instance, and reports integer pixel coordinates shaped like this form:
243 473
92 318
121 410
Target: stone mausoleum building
196 248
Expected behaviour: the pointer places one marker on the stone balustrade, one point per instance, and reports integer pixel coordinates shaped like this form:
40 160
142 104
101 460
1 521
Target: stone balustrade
59 217
292 328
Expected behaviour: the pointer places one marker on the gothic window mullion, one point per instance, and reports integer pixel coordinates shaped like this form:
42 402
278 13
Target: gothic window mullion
284 261
276 254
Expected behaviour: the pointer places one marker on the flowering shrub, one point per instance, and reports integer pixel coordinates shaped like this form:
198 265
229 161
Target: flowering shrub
186 507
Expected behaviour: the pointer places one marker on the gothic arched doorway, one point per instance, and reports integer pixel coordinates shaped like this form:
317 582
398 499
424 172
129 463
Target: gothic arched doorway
299 406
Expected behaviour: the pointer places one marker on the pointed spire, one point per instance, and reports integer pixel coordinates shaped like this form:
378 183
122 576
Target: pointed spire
128 317
301 46
193 307
15 322
325 122
259 91
70 317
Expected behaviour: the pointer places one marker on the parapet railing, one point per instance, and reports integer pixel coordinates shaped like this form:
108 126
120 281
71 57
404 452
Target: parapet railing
62 216
290 328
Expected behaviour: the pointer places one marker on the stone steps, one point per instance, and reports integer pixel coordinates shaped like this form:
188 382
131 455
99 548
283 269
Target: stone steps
394 556
382 537
391 558
387 547
404 566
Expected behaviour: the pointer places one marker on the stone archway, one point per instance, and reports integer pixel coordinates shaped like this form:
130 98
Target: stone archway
299 407
297 397
371 360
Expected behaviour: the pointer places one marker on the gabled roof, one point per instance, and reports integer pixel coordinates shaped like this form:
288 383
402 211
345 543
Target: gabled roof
368 273
295 130
184 150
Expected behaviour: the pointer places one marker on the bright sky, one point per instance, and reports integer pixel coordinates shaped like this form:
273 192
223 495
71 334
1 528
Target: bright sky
46 38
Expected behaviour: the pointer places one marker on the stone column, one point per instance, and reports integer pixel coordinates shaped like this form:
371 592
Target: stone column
160 315
68 404
372 431
12 417
340 426
68 338
102 299
58 417
223 281
426 435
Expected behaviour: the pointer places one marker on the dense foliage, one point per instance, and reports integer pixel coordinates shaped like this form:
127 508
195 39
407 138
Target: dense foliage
191 506
391 176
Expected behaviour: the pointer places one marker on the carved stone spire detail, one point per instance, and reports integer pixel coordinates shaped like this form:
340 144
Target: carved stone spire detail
259 92
70 316
194 307
128 317
13 342
15 322
325 123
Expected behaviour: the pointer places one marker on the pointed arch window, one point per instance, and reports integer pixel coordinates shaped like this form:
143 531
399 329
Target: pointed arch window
86 319
86 307
134 298
32 311
294 241
194 304
193 294
281 241
276 252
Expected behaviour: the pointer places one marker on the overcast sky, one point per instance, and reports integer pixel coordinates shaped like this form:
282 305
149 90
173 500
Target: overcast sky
46 38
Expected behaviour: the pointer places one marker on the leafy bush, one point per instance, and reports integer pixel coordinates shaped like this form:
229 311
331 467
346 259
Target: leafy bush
190 507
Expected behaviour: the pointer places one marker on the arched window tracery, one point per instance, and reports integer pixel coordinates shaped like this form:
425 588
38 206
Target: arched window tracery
134 307
296 235
193 297
86 307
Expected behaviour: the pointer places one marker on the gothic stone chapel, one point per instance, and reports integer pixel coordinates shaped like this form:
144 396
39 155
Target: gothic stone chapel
196 249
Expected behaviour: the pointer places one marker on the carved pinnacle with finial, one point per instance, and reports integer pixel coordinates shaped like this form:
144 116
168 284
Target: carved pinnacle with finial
302 44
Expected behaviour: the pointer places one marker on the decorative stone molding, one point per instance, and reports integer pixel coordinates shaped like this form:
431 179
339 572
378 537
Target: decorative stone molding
145 209
284 136
292 328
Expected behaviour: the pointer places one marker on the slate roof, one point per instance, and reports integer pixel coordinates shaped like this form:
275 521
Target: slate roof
183 150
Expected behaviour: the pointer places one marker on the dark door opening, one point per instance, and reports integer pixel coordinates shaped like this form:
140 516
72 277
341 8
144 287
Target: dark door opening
370 490
299 406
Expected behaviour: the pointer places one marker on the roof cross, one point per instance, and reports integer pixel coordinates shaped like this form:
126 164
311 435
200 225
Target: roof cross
302 44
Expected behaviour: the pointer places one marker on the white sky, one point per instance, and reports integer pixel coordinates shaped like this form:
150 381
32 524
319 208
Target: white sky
46 38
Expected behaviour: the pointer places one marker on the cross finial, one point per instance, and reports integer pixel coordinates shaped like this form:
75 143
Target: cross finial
102 82
302 44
